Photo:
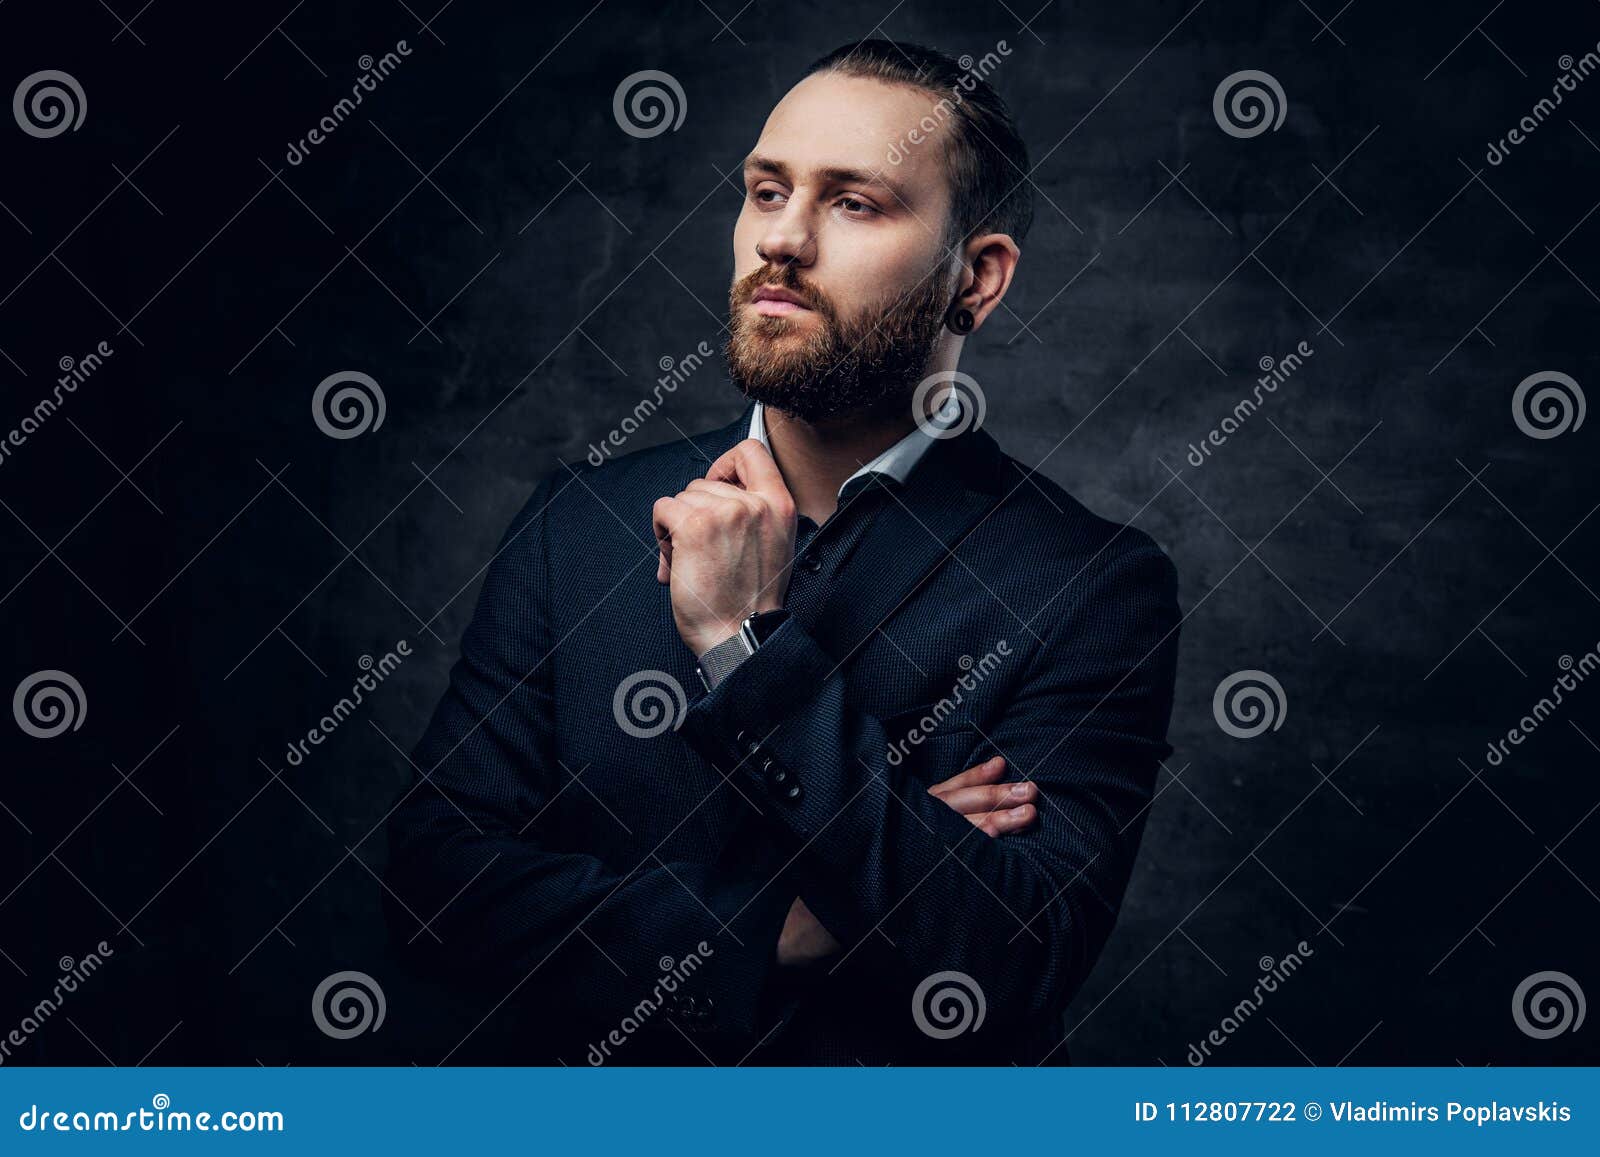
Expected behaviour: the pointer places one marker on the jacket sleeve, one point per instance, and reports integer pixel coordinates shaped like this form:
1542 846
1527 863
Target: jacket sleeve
1024 915
464 854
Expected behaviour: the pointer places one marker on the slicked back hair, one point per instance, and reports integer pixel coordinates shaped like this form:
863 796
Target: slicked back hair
986 158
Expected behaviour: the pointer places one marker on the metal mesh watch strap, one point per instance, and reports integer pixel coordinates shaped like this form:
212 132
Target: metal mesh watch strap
718 663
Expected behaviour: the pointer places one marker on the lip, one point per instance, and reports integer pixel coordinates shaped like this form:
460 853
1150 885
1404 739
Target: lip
775 301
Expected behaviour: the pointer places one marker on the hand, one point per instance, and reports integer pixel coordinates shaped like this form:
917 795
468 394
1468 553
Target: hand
727 543
804 940
996 808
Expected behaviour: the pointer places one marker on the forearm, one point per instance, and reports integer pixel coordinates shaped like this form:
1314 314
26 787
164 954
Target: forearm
877 854
500 908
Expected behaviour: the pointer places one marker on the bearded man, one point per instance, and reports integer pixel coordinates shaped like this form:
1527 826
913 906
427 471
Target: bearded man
828 736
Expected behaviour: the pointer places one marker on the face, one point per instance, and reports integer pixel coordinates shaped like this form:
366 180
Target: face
841 315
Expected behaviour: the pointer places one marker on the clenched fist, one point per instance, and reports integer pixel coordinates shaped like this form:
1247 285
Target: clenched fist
727 545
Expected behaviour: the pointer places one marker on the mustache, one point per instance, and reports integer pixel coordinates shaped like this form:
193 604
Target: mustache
780 277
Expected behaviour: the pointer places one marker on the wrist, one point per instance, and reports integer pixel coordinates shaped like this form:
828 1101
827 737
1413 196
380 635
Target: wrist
713 636
718 661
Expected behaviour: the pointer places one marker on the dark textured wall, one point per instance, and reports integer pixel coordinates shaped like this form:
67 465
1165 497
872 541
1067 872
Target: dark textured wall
481 237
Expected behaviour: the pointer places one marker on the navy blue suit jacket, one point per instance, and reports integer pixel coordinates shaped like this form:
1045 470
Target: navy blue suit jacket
609 876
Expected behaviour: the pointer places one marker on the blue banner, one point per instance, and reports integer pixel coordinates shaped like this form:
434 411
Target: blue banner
788 1111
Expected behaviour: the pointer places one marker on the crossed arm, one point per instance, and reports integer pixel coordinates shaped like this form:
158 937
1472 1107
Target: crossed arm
1024 913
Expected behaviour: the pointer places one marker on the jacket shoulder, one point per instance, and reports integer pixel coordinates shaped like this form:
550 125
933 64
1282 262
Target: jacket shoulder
575 492
1045 519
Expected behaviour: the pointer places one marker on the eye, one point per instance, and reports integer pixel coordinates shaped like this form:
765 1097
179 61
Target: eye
856 207
764 196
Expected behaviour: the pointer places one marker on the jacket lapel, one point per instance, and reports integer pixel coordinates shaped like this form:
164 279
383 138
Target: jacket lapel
914 533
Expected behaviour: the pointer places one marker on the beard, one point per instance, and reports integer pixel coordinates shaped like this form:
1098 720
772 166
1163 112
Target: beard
867 367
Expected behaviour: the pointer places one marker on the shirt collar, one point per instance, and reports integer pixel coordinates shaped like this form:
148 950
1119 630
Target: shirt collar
896 462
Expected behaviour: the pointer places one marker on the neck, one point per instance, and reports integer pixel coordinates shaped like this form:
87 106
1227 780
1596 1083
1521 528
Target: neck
815 459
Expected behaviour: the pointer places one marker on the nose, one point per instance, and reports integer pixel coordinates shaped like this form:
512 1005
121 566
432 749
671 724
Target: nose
788 240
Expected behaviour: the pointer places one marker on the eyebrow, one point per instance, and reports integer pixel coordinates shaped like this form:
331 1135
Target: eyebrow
833 175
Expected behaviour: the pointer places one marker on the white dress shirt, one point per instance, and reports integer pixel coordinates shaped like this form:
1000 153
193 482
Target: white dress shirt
896 462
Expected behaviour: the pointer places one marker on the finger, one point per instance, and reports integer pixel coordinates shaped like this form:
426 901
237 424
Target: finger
665 515
700 500
986 772
990 797
750 465
1007 822
718 489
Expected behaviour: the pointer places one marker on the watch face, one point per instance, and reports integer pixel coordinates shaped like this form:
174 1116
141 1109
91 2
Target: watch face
764 624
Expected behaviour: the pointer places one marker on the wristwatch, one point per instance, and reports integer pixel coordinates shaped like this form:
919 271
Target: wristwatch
718 662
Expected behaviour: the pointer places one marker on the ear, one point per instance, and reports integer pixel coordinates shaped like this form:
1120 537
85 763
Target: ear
988 263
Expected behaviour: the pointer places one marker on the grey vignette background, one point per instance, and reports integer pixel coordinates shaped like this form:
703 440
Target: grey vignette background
484 240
